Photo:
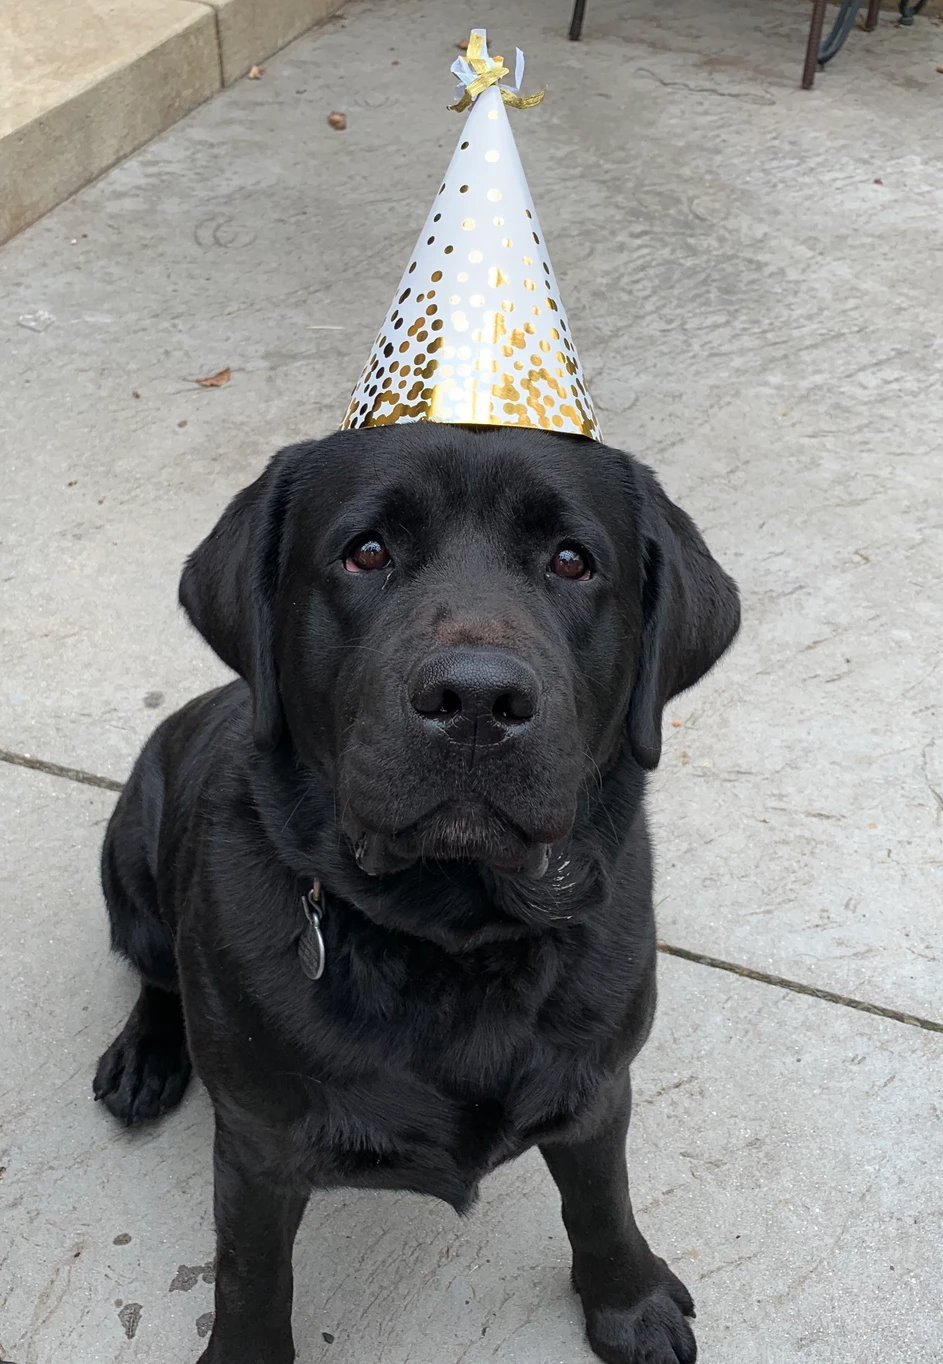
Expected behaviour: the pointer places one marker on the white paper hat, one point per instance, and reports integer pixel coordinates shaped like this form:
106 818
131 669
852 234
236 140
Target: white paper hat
476 332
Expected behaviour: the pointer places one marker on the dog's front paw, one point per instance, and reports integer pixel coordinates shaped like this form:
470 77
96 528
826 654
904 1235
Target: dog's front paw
652 1331
141 1076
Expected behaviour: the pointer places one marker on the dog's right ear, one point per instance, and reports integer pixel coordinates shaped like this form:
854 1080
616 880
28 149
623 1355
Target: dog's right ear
229 587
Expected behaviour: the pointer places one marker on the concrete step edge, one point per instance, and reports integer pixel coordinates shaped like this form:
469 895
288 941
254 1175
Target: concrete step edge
87 85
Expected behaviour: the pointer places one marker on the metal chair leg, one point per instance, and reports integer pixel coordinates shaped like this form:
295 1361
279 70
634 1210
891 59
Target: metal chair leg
815 41
874 11
576 23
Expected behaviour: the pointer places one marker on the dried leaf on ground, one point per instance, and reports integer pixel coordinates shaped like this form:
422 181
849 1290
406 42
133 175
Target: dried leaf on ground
338 121
462 45
215 380
256 73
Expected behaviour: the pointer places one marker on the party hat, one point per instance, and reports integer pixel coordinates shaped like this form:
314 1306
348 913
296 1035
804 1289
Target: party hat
476 332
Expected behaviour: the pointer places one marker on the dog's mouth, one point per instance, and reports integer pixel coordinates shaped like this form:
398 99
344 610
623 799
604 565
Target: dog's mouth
455 834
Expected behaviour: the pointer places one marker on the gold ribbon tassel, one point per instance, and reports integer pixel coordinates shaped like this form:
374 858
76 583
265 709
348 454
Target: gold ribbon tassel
488 73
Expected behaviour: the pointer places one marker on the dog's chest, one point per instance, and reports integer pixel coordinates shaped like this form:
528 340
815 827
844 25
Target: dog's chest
451 1084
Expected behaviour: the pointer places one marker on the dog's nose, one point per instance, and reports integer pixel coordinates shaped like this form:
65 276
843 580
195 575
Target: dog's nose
475 695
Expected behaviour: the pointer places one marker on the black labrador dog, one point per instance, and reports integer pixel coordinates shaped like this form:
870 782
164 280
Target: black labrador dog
391 892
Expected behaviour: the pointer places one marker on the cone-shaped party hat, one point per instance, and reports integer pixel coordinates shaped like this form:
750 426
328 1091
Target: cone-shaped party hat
476 332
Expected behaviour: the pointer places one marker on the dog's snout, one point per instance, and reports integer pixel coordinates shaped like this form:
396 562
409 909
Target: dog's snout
484 695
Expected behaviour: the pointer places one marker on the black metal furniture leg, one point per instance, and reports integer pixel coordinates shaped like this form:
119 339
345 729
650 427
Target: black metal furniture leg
815 40
576 23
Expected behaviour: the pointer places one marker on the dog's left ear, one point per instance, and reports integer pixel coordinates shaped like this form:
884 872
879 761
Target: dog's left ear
691 613
229 586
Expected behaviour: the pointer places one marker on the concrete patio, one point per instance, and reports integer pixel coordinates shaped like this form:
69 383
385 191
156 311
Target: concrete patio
754 277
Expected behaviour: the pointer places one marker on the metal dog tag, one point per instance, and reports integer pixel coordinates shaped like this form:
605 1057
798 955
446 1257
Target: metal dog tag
311 953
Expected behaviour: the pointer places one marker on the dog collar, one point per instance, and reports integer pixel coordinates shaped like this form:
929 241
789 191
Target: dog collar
311 953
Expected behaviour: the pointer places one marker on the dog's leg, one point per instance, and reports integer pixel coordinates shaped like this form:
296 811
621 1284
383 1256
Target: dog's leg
145 1071
257 1217
635 1307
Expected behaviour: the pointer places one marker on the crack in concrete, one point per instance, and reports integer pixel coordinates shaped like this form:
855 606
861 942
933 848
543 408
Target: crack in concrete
58 770
746 96
798 987
926 776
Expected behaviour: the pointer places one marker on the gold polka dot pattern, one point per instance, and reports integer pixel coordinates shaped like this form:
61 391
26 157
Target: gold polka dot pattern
476 333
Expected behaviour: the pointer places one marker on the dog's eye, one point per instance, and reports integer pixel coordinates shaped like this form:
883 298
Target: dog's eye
365 555
570 561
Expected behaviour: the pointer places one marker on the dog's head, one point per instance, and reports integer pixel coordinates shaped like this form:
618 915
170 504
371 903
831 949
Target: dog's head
460 628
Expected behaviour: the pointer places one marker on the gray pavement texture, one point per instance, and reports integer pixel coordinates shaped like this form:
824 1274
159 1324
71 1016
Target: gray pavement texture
754 277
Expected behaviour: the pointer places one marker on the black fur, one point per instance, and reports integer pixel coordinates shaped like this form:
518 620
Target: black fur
471 1007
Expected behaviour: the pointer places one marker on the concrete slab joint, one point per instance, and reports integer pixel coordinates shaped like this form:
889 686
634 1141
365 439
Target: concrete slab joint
87 83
